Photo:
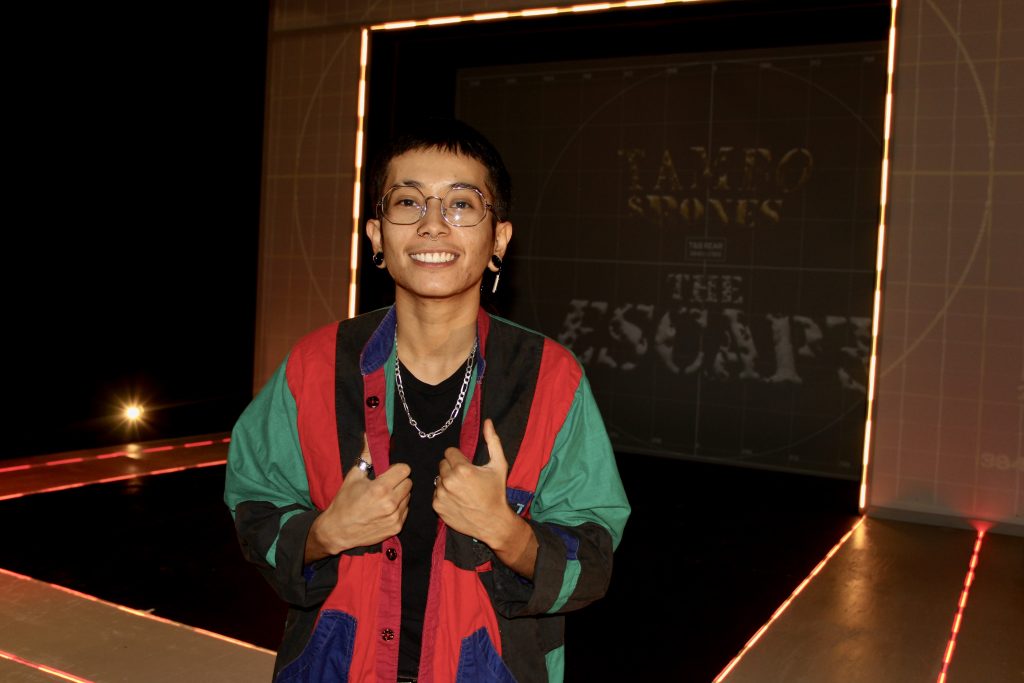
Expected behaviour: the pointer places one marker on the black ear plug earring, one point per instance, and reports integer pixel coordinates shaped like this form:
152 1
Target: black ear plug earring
378 259
496 261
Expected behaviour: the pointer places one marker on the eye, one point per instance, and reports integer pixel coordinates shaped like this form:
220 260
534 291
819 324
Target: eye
405 198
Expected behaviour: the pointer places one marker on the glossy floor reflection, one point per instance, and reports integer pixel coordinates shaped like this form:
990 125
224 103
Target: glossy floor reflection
708 554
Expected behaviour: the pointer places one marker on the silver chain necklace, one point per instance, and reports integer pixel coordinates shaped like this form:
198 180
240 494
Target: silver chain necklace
458 403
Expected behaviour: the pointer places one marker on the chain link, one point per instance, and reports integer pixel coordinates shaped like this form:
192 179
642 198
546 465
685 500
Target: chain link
458 403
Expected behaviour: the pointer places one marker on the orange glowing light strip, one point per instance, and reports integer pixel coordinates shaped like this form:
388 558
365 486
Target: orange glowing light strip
357 188
883 200
42 667
353 284
961 604
136 612
524 13
782 608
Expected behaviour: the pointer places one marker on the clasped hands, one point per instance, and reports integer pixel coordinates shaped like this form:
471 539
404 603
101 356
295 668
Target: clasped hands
468 498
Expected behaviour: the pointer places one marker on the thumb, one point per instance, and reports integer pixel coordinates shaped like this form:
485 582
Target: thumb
359 470
494 448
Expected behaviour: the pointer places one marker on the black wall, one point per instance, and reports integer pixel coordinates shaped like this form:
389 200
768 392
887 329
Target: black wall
133 227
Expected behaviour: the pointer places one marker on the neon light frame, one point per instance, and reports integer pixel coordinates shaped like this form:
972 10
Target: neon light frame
634 4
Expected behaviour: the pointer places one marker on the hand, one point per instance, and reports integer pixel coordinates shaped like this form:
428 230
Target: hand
471 499
363 512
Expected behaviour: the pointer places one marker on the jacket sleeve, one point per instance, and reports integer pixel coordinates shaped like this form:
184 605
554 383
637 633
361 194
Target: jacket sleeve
578 514
268 494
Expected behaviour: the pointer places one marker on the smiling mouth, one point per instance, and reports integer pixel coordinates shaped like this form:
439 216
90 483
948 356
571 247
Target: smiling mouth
433 257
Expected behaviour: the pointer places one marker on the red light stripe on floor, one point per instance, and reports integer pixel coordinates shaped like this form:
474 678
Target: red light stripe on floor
118 454
782 608
46 490
958 618
42 667
196 444
120 477
66 461
15 468
169 470
157 449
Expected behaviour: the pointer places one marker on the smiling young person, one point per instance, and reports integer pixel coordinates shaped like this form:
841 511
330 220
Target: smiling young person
428 486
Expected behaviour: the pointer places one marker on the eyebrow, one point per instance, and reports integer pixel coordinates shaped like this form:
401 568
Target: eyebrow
418 185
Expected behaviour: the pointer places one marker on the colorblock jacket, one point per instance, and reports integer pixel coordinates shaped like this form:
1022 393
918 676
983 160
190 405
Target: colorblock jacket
293 444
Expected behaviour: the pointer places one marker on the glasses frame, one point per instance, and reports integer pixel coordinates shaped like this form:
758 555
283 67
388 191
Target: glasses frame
488 207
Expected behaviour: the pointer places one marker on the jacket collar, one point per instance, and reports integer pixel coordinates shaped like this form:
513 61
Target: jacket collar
381 343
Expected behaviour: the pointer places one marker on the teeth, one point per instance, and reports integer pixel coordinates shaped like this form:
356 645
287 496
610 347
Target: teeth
434 257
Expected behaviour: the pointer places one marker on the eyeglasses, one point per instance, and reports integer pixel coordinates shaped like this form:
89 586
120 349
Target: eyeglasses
461 206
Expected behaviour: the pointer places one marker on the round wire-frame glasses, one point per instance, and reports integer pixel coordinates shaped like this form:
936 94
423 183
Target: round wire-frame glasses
462 206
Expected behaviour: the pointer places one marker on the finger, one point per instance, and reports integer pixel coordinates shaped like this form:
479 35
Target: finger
355 472
494 448
454 457
404 488
395 475
365 453
445 466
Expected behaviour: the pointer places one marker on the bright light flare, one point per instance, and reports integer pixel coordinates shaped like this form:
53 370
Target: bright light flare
134 412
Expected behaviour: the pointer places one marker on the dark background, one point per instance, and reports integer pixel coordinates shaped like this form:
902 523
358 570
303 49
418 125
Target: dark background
133 226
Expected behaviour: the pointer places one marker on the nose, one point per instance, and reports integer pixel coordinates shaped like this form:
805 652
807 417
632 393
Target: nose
433 223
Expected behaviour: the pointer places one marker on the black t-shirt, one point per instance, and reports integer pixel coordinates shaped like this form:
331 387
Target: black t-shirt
430 405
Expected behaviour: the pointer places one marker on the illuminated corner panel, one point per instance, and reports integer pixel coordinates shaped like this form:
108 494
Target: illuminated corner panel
782 608
883 200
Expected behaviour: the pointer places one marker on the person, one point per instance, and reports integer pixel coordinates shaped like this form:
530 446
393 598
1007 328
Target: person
429 487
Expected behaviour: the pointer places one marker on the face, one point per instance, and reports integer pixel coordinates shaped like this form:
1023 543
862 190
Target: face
431 259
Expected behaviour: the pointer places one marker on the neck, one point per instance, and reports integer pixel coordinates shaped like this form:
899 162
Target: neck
434 336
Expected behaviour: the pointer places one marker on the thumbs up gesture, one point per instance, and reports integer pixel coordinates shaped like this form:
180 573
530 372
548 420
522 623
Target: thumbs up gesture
471 499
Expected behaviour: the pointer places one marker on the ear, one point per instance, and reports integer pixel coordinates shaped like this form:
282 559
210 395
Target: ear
374 233
502 236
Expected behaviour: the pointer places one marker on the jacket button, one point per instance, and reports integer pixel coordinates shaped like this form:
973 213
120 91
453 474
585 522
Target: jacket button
391 554
387 634
373 402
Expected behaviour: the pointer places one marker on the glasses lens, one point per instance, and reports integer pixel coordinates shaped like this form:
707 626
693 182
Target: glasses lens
403 205
464 206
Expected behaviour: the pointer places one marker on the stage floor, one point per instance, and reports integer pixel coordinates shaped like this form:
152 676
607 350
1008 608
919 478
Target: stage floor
710 554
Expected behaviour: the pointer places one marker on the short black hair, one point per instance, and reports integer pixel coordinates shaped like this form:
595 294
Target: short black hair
455 137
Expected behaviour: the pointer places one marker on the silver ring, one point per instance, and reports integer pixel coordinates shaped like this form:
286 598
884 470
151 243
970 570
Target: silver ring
436 479
364 466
